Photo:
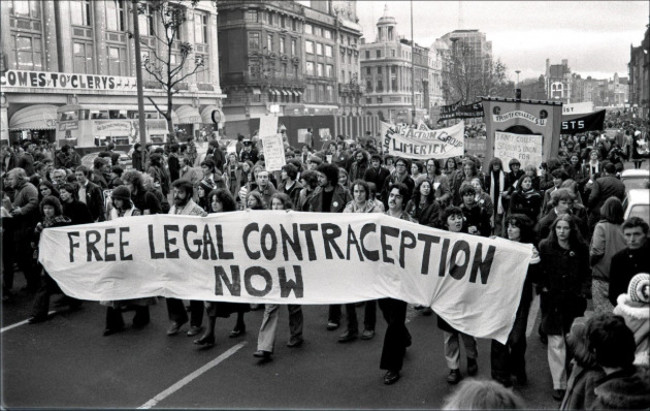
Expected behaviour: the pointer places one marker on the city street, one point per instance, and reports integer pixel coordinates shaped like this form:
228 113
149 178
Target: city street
66 362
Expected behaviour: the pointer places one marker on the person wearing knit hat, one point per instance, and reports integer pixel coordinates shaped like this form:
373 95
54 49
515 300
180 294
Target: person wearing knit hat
634 307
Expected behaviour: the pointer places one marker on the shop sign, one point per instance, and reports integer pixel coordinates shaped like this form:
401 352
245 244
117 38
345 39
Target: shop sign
65 81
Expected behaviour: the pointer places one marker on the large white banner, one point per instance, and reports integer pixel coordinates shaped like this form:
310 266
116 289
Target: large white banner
423 143
279 257
527 148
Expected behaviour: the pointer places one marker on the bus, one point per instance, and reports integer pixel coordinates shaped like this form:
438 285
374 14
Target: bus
88 127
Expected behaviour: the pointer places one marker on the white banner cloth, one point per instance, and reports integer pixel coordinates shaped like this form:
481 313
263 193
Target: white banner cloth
527 148
423 143
473 283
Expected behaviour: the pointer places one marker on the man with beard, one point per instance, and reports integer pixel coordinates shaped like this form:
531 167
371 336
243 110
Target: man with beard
182 191
265 187
397 335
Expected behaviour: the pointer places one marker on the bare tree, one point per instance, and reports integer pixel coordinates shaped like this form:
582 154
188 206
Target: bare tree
167 60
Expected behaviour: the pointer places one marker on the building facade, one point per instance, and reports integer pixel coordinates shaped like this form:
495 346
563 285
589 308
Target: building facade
639 77
386 72
558 81
82 53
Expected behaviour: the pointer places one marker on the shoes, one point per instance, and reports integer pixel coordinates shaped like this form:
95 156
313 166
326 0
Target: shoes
194 330
35 319
111 331
558 395
175 328
368 334
391 377
472 366
427 312
454 376
206 341
331 325
347 337
295 343
262 354
237 332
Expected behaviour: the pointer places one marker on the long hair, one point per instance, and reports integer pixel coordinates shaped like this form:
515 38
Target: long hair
525 225
287 204
612 210
417 196
261 205
225 197
575 238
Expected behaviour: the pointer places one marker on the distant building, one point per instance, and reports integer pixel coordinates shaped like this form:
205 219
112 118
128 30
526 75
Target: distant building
639 77
558 81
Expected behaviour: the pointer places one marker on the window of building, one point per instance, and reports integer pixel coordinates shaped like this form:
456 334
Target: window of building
146 55
309 29
294 25
328 51
393 69
309 47
80 13
330 94
378 54
200 27
390 33
282 45
327 34
392 53
254 40
251 15
319 49
342 76
318 32
82 57
293 47
269 42
367 54
319 69
25 8
380 85
329 70
146 21
369 86
116 61
29 53
283 21
379 70
310 93
321 93
309 68
368 71
393 84
203 73
114 10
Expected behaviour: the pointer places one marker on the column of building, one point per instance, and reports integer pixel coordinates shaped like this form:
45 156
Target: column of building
49 34
64 34
213 52
99 14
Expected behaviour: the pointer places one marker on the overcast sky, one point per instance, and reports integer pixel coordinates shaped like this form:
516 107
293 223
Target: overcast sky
595 36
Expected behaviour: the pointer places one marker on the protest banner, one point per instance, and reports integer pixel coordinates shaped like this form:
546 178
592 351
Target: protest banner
274 157
423 143
580 123
458 110
268 125
527 148
278 257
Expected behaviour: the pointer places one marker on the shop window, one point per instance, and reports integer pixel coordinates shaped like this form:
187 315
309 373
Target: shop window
80 13
114 10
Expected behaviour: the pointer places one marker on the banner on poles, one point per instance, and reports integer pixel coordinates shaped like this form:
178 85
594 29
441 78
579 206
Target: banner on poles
527 148
458 110
581 123
423 143
279 257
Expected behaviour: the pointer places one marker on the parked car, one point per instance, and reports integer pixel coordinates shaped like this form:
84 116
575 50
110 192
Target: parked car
637 204
635 178
125 161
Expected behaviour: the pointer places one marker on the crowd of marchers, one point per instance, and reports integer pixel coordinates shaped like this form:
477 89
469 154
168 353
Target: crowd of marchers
569 208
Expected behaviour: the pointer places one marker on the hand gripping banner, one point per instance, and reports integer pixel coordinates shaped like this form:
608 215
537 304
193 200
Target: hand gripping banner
280 257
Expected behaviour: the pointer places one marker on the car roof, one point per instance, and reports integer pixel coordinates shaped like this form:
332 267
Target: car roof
635 173
638 195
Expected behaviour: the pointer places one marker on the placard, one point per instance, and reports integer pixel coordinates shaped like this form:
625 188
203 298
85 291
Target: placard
527 148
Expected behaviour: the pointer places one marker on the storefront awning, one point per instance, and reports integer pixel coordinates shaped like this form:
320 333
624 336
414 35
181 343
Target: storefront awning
188 115
36 117
295 93
285 92
212 115
274 91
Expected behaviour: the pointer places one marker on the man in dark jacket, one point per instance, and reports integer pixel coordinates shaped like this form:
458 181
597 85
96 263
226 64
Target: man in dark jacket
330 197
401 174
90 194
630 261
604 187
376 173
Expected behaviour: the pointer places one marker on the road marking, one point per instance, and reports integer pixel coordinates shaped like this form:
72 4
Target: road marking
189 378
12 326
532 315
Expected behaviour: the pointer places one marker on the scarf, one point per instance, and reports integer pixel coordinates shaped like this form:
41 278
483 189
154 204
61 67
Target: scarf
495 191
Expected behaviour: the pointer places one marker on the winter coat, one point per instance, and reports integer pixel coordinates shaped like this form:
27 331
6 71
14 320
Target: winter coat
528 203
625 265
627 390
637 319
340 198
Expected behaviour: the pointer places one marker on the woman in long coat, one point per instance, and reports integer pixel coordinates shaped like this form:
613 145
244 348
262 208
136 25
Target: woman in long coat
566 282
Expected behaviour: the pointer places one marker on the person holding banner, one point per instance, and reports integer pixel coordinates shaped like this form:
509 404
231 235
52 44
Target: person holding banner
361 203
452 220
330 197
565 280
221 201
123 207
269 326
397 337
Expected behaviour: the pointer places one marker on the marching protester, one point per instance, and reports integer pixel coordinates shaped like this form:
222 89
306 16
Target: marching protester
268 328
90 194
452 220
631 260
122 208
477 219
604 187
526 199
397 337
221 201
439 182
144 200
566 284
399 175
